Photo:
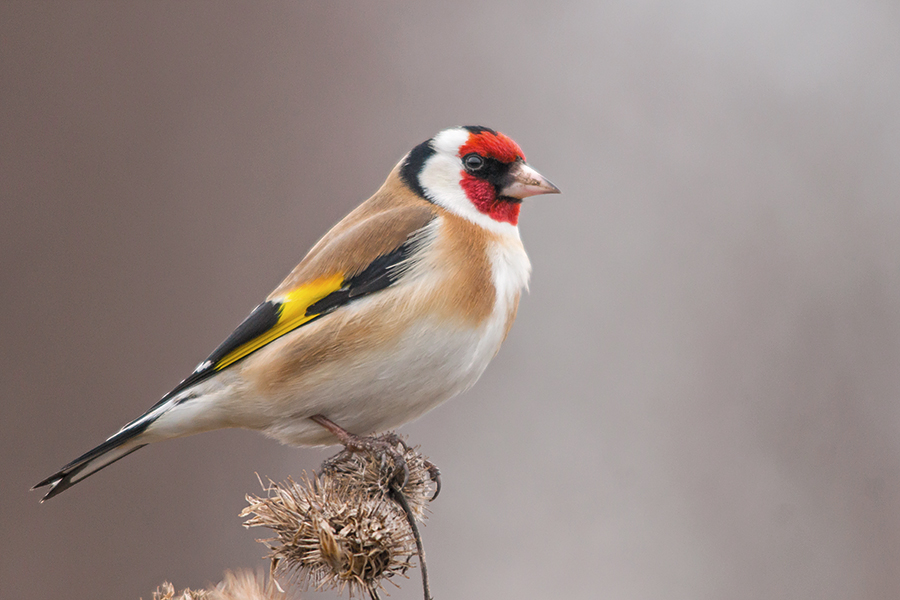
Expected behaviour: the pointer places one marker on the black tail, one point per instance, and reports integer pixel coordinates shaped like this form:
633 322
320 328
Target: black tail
118 446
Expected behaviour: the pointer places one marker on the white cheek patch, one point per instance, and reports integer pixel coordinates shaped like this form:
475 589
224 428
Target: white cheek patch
440 179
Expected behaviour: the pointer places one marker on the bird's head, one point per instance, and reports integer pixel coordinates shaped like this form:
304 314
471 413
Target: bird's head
475 172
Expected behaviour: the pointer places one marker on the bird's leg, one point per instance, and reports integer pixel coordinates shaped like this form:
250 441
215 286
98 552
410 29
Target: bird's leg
360 443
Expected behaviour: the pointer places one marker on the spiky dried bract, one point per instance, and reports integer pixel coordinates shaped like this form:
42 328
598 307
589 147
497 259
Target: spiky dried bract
332 536
167 592
373 477
244 585
340 528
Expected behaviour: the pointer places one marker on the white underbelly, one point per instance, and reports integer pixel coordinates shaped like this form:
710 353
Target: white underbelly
385 388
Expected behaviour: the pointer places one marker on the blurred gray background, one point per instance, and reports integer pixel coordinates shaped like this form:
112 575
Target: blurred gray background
700 397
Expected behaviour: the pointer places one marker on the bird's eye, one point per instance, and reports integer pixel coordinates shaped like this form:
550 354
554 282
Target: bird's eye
473 162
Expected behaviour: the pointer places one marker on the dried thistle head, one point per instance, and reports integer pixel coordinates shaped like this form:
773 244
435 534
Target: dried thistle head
167 592
244 585
372 477
340 528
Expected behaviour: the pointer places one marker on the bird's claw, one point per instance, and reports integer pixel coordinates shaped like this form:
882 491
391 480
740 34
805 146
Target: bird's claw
384 446
435 474
387 445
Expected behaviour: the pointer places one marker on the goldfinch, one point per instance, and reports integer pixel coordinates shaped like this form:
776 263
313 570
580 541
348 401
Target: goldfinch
399 307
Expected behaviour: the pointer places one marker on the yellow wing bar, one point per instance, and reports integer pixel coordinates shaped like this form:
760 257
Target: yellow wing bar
292 314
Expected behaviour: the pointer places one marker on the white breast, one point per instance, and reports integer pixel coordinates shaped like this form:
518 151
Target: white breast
510 272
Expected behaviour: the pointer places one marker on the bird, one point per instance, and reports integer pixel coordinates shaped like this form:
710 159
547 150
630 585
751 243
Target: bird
399 307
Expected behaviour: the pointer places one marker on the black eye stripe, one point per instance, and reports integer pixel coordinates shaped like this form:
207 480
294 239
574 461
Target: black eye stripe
493 171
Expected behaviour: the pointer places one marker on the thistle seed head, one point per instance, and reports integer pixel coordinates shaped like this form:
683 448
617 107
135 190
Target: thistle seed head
340 529
243 585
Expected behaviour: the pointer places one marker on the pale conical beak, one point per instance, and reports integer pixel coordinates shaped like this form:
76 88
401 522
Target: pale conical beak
525 181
